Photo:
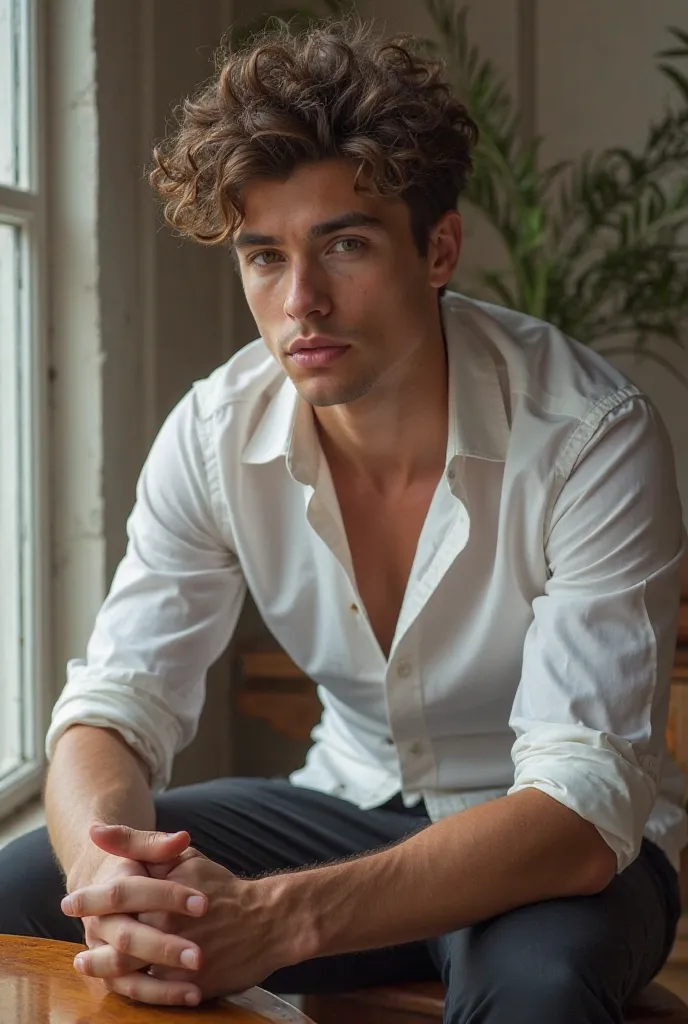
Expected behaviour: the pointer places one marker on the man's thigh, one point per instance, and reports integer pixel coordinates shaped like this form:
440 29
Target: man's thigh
253 825
574 960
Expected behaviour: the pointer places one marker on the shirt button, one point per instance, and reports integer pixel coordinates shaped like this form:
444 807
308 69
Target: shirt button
389 741
404 669
416 748
451 474
353 608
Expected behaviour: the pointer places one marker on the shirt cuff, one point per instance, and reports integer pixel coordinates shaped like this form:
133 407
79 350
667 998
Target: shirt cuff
101 702
597 775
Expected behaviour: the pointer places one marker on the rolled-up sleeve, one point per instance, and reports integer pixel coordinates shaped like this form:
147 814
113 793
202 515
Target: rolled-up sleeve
173 604
591 707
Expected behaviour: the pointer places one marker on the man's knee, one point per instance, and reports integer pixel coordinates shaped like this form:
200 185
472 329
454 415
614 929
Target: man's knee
31 889
523 989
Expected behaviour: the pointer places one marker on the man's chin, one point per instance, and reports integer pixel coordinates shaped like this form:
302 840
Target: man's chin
320 396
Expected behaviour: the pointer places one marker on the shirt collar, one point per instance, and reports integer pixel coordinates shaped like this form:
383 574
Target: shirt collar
286 430
478 424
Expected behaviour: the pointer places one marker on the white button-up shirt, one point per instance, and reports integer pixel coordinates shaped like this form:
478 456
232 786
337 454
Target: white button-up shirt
537 631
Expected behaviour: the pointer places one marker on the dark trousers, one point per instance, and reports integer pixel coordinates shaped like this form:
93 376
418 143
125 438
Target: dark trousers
569 961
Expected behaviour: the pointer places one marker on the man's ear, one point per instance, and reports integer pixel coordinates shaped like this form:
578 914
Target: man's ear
444 248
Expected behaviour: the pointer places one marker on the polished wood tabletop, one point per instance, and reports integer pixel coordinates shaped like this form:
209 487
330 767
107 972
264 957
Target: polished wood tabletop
39 985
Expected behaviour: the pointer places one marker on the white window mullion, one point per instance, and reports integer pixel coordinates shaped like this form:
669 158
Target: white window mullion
8 111
16 205
24 558
11 719
24 551
27 493
28 154
35 555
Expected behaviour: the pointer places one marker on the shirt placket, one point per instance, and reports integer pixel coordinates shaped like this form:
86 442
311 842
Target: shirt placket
409 731
404 679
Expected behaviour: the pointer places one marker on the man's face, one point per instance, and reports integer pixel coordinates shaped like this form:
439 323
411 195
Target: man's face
337 287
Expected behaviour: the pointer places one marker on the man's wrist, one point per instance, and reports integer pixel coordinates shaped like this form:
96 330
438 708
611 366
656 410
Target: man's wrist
295 934
84 868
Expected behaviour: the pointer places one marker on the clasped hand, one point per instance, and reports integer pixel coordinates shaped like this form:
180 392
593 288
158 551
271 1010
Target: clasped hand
174 928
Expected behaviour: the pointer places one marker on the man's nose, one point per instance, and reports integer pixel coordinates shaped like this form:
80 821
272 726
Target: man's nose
307 295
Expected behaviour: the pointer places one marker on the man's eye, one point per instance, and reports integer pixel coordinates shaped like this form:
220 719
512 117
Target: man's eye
350 244
264 259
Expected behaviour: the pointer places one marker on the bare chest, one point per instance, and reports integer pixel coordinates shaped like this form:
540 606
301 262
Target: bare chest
383 538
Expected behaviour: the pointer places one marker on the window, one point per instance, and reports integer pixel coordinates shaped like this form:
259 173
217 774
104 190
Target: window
24 572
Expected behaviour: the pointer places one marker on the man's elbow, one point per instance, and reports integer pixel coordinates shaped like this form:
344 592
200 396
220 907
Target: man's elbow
598 869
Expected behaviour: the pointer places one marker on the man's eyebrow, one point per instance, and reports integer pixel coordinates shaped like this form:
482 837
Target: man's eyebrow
245 239
347 220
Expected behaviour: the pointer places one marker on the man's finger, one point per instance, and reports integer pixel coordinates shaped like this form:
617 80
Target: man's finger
136 895
145 989
169 973
122 841
127 938
128 964
162 870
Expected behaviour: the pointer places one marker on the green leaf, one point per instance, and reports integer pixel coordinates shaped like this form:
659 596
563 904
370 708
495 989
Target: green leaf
680 33
679 80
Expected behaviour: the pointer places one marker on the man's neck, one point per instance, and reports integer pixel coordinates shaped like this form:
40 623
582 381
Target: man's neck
396 434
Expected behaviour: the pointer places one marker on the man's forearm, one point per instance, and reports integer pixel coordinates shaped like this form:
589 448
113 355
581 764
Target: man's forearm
474 865
94 777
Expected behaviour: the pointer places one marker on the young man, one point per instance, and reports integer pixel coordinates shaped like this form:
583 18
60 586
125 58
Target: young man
463 525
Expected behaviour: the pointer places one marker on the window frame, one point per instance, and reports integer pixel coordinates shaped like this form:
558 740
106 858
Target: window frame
25 206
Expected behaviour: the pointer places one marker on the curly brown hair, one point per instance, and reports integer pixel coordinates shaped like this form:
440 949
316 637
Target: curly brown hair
333 91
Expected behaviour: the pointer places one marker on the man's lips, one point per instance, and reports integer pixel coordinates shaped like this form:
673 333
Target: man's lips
313 342
317 350
321 356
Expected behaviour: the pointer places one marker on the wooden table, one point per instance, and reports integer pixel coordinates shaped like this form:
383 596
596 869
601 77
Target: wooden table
38 985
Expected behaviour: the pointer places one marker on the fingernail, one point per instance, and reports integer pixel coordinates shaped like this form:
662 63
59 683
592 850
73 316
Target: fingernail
66 905
189 958
192 998
195 904
80 963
